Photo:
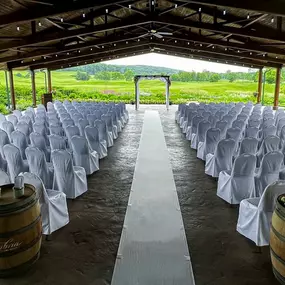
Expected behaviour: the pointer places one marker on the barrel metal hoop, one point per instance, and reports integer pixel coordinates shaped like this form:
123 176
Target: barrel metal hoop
278 276
277 257
279 213
282 238
21 230
21 249
30 202
19 269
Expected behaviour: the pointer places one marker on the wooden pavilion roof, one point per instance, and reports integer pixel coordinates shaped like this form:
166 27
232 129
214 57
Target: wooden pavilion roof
57 34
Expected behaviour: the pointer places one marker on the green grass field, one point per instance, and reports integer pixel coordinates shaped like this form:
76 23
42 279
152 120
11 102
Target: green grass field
66 86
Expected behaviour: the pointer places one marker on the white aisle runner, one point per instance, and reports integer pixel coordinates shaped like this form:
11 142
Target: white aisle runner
153 248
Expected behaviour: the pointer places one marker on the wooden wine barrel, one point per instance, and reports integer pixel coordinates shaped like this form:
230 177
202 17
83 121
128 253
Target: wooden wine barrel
20 230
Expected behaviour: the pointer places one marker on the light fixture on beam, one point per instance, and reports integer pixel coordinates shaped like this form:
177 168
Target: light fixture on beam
127 42
130 6
224 12
226 49
107 11
79 51
68 53
83 15
40 24
250 53
272 20
200 9
248 16
22 61
91 49
188 43
18 28
175 6
61 19
102 46
115 45
56 55
33 59
213 46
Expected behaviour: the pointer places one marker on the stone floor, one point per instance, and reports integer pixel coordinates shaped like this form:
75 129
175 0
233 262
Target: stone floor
84 251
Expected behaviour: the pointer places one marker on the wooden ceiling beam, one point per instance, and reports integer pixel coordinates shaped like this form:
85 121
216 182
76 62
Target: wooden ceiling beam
57 8
263 60
274 7
129 51
39 39
61 58
260 34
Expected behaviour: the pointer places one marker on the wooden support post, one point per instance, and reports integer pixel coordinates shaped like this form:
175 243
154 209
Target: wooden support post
49 81
34 93
12 89
259 91
277 88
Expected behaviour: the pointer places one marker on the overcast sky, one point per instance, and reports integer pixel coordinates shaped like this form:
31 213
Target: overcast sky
175 62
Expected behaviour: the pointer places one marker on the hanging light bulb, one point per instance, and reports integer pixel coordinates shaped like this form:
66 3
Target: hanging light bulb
224 12
248 16
176 6
272 20
61 19
40 24
18 28
200 9
83 15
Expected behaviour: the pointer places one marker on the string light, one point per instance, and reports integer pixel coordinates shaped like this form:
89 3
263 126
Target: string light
264 55
91 48
138 40
18 28
115 45
33 59
61 19
200 9
127 42
226 49
176 6
56 55
175 41
250 53
22 61
188 43
40 24
78 51
83 15
247 16
213 46
130 6
224 12
107 11
272 20
238 50
102 46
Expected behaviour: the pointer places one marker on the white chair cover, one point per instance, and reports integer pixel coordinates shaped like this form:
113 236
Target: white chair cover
270 143
53 205
82 123
93 139
255 214
249 146
203 126
82 156
57 142
2 119
38 165
25 129
233 133
191 131
221 159
238 184
13 119
8 127
91 119
4 178
268 172
280 125
4 139
56 130
251 132
105 137
254 123
38 140
222 125
238 124
15 162
68 178
211 140
17 113
20 141
110 126
70 132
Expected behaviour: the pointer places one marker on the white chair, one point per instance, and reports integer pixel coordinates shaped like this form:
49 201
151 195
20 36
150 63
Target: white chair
19 140
254 122
222 125
221 159
8 127
2 119
268 172
213 120
71 131
67 122
233 133
57 142
249 146
25 129
38 140
82 156
238 184
270 143
203 126
105 137
251 132
4 139
110 126
91 119
238 124
93 139
39 166
212 138
56 130
15 163
188 122
68 178
13 119
191 131
17 113
42 129
82 123
4 178
255 214
28 120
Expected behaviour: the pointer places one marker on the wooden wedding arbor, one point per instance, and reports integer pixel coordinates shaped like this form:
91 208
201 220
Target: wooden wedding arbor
52 34
163 78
